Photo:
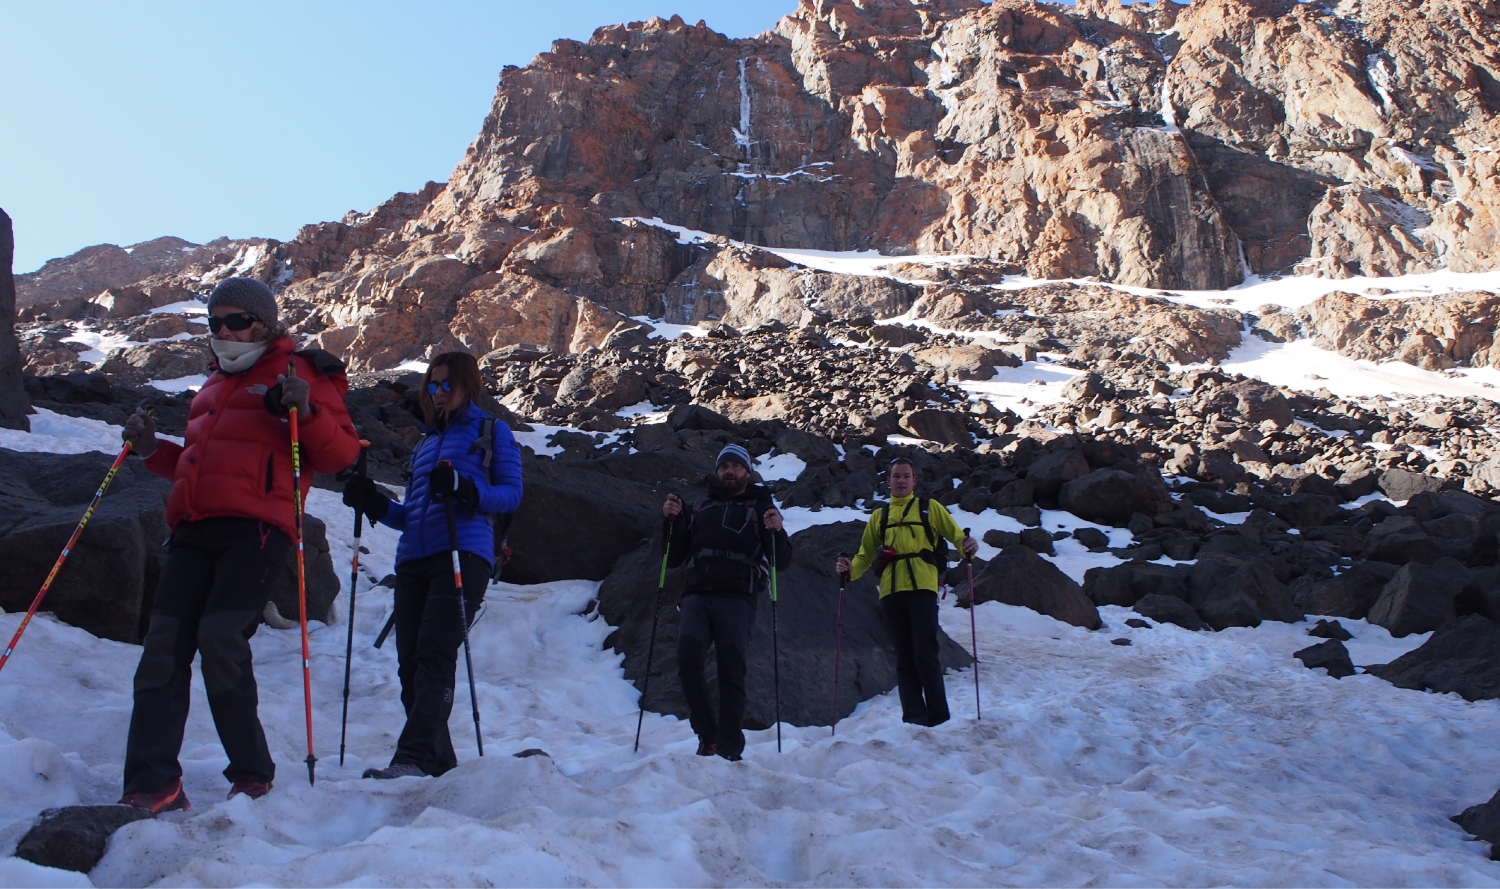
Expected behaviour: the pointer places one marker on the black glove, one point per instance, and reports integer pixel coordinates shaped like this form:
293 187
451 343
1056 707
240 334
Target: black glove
274 405
445 480
364 495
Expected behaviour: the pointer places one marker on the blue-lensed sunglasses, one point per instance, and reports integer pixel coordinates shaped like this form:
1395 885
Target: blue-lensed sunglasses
432 388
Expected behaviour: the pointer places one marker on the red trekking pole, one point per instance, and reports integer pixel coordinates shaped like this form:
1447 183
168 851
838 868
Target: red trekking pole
312 761
973 632
838 643
67 549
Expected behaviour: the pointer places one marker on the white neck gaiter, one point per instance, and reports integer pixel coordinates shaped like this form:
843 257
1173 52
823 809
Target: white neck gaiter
236 357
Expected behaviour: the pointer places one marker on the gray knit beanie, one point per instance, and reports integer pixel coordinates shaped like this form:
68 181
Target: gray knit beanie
247 294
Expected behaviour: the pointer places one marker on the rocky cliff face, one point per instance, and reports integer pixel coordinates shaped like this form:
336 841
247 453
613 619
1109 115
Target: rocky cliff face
1164 145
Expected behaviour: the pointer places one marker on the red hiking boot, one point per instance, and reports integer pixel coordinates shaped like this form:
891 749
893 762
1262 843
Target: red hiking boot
252 789
170 799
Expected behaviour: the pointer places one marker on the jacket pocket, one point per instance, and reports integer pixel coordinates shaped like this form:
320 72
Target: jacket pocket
270 472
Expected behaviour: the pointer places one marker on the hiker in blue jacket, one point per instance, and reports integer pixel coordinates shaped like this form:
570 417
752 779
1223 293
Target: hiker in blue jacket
468 456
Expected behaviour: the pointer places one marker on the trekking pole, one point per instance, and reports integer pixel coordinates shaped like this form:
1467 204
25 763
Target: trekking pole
68 548
973 633
666 548
359 470
463 611
838 643
390 624
775 647
312 761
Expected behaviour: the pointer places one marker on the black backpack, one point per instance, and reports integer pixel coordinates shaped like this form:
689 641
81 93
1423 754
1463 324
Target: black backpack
756 560
500 522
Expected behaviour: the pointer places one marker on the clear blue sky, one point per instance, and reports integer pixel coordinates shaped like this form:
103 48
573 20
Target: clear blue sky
127 121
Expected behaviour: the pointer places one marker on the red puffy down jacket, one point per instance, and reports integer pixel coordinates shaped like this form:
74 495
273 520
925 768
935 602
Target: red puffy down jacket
236 459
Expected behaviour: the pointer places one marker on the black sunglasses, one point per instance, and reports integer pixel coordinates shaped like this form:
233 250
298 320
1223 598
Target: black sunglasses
241 321
432 388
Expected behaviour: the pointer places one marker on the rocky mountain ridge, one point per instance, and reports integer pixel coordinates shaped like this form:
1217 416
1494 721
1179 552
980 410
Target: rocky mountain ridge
1165 146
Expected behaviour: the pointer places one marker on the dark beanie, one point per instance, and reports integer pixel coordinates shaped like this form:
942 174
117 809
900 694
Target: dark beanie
245 293
733 453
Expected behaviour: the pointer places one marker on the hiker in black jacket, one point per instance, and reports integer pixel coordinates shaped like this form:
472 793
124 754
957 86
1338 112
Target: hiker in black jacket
726 542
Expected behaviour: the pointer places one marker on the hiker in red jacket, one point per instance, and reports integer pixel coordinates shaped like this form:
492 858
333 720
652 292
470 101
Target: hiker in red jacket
231 514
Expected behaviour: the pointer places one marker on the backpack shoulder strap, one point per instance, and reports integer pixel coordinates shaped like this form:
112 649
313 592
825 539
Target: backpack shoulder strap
927 523
325 363
484 445
885 521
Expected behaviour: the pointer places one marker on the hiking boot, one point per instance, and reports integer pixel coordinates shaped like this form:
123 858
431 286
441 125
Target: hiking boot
732 757
707 749
252 789
397 770
170 799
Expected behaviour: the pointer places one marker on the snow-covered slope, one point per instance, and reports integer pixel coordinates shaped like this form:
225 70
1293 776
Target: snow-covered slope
1184 758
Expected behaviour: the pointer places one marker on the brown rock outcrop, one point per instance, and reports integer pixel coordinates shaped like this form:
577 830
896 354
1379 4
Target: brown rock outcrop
1434 333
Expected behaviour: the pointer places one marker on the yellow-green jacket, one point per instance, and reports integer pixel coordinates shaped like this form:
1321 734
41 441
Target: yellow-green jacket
905 533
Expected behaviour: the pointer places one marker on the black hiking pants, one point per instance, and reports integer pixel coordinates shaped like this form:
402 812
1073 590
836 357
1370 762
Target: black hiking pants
911 618
218 577
429 633
724 622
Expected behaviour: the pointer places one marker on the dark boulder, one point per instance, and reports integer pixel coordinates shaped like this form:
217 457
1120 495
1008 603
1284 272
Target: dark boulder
13 403
939 425
1481 594
1170 610
695 416
109 580
1403 484
1048 473
1420 598
1401 539
1463 656
1330 655
1231 592
1330 630
1127 583
1018 576
1037 540
1112 496
808 609
1020 492
1351 594
811 449
1309 510
577 519
1483 822
1001 539
1093 538
322 580
607 388
74 837
1217 501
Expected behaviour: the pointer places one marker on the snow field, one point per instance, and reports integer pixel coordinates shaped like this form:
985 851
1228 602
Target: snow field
1183 759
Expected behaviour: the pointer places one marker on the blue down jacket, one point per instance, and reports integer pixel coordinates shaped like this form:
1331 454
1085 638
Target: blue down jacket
422 521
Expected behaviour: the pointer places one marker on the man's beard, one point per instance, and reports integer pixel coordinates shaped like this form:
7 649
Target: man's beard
733 486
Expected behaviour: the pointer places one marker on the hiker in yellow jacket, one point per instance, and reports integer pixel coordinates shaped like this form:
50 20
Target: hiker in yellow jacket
909 579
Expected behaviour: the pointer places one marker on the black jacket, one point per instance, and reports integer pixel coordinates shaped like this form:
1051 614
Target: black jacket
723 541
